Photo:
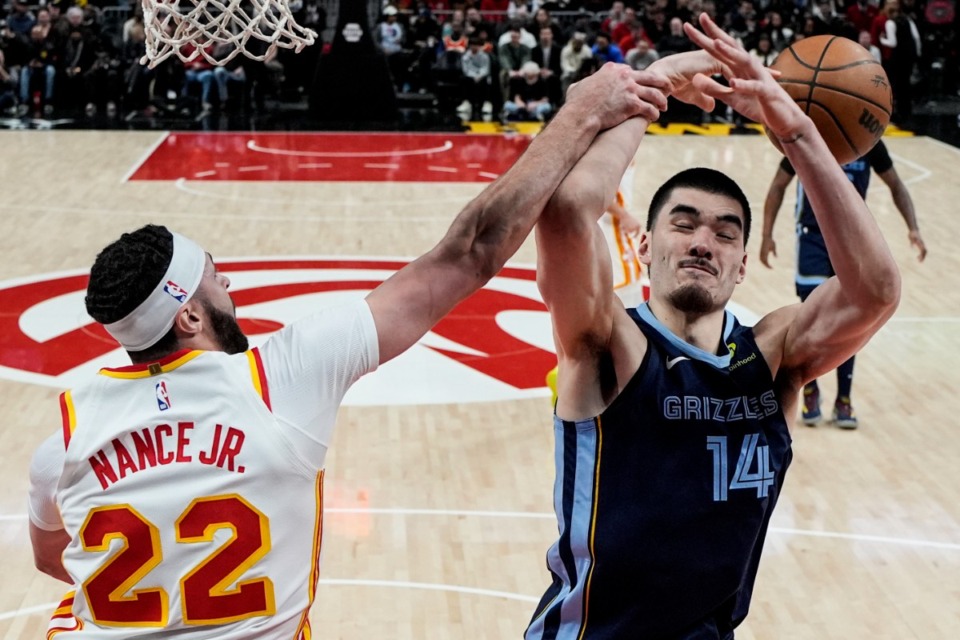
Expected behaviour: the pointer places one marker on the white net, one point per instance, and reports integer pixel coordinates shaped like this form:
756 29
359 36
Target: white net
220 30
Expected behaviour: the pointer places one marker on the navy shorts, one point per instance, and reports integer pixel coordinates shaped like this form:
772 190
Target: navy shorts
813 261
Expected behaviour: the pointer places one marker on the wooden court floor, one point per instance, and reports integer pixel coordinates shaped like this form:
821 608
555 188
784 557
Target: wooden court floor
439 513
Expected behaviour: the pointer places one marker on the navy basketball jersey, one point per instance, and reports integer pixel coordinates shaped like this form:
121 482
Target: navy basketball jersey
663 500
858 172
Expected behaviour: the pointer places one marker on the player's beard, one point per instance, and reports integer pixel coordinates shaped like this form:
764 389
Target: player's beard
226 329
691 298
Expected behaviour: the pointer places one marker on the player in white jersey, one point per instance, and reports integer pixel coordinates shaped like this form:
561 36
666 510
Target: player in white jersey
183 495
620 231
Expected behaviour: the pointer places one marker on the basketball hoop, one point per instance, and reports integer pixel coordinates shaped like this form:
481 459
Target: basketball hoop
219 30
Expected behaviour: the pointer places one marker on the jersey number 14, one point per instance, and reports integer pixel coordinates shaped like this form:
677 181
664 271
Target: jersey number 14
753 467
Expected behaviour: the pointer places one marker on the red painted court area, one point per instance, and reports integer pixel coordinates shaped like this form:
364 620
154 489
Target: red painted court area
331 157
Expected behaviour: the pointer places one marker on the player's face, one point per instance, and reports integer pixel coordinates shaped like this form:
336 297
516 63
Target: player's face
220 310
695 252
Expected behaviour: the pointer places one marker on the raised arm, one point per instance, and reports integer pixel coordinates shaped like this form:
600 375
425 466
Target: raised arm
573 266
771 207
491 228
806 340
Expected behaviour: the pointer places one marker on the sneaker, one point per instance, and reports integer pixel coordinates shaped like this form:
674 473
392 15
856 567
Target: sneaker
843 415
811 406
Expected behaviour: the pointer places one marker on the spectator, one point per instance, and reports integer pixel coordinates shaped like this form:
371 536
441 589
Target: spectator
628 43
675 41
606 51
529 96
571 59
198 71
512 55
863 38
764 50
527 39
20 20
41 60
626 27
478 87
861 15
613 18
642 56
547 56
8 102
780 36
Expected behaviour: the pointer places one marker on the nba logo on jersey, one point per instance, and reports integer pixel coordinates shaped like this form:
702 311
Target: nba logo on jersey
163 398
175 291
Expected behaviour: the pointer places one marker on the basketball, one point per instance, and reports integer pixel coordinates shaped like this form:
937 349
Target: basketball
842 88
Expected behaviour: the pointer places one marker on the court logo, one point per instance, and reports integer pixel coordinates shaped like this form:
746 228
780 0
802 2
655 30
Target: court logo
496 345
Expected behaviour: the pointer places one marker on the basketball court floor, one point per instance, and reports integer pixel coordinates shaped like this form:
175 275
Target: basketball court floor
439 483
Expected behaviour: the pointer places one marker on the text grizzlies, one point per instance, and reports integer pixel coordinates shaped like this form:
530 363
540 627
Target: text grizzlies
720 409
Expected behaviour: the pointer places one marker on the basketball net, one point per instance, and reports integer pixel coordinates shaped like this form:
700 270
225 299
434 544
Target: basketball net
220 30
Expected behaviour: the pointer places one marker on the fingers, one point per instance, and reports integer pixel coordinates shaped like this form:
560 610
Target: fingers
652 79
653 96
712 30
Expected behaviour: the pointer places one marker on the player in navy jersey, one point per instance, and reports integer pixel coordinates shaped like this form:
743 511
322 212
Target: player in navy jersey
813 263
671 432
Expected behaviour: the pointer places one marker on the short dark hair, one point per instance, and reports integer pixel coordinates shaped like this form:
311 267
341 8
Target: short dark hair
704 179
124 274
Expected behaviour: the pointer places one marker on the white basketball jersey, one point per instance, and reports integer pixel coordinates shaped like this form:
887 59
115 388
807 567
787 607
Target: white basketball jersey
624 259
191 513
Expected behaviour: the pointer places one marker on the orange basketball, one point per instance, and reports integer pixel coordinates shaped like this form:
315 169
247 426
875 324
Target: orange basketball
842 88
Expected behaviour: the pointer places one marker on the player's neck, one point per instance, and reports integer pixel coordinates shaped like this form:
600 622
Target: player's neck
701 330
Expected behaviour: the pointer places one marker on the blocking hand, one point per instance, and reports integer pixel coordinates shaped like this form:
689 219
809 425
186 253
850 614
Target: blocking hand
616 93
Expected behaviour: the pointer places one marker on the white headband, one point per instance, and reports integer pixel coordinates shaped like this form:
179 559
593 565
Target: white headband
151 320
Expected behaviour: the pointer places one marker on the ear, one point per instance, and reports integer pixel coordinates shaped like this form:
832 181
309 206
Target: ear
188 322
743 269
643 248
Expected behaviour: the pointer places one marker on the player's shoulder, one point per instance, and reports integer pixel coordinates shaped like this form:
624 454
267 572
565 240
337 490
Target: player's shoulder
770 334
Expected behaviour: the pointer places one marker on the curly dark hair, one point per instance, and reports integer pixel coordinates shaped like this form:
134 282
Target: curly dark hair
124 274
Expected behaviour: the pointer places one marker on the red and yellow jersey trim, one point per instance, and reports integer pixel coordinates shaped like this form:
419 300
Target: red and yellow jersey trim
145 370
63 620
69 416
259 375
303 631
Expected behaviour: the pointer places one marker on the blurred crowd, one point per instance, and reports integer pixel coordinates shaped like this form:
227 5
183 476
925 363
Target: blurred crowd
510 59
60 58
487 59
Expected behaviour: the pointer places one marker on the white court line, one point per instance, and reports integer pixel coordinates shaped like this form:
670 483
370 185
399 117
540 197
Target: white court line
204 174
143 157
25 611
429 586
944 144
375 165
259 167
181 184
924 172
487 174
446 146
314 165
443 169
535 515
221 165
474 165
190 215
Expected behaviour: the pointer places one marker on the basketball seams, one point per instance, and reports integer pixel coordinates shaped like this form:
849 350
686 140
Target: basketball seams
836 121
830 87
816 72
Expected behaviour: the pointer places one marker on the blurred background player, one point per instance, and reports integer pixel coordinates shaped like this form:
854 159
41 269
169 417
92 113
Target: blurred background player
813 263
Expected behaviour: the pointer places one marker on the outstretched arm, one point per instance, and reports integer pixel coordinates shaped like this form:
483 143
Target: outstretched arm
904 203
491 227
803 341
771 207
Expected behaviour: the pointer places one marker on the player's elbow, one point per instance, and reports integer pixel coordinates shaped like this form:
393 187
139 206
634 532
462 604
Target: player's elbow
53 567
884 291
